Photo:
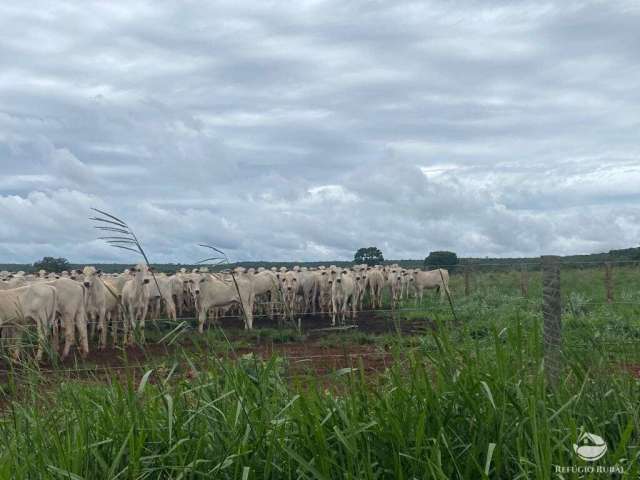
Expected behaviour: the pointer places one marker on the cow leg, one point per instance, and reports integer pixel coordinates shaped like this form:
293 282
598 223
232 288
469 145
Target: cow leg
41 339
102 328
108 316
171 310
15 337
81 327
202 317
117 318
128 339
126 323
55 334
141 325
333 310
248 322
177 304
92 324
248 308
353 310
443 291
344 311
69 330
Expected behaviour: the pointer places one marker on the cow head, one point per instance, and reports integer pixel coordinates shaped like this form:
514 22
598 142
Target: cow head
334 273
200 282
89 276
290 282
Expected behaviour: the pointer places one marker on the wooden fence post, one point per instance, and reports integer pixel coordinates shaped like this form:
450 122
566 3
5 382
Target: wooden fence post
467 290
608 284
524 281
551 312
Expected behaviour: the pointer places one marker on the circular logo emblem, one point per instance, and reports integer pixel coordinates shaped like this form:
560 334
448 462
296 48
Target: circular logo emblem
590 447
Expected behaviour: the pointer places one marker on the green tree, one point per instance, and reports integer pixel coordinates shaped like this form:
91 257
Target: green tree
50 264
440 259
369 255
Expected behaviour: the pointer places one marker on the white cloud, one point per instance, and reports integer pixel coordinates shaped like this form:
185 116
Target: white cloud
306 130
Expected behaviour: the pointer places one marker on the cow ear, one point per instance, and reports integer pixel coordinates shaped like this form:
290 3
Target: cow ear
99 272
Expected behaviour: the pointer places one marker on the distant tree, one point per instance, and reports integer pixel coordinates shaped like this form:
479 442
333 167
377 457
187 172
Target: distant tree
51 264
369 255
440 259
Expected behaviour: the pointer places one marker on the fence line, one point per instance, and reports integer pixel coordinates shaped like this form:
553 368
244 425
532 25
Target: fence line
107 368
550 304
424 309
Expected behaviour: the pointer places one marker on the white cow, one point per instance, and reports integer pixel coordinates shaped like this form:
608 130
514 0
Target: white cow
375 283
394 280
309 288
360 281
342 295
20 307
169 286
215 290
71 297
13 281
96 298
407 284
291 289
135 300
438 279
267 285
324 290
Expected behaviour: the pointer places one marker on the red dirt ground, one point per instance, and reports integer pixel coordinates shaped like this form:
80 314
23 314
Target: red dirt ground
308 356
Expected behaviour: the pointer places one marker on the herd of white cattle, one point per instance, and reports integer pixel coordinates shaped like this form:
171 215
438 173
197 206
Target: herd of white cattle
88 303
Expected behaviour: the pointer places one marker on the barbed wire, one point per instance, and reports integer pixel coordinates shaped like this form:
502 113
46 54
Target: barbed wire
107 368
426 309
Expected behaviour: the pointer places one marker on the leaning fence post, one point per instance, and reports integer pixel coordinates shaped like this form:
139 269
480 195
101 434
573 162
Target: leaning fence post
524 281
551 312
466 281
608 284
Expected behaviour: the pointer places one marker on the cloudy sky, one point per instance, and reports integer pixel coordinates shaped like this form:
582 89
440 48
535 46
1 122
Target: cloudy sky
302 130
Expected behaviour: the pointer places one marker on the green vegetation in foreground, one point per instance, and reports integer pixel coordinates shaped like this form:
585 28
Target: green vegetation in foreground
469 400
446 409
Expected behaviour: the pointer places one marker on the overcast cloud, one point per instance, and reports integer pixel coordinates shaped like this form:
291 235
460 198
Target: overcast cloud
303 130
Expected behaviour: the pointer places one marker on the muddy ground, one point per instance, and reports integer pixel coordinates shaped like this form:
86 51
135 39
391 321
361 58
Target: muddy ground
306 354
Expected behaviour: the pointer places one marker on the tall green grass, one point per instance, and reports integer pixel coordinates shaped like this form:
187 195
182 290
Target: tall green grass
469 400
453 407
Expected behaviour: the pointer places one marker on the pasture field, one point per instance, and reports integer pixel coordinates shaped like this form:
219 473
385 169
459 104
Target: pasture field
430 391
